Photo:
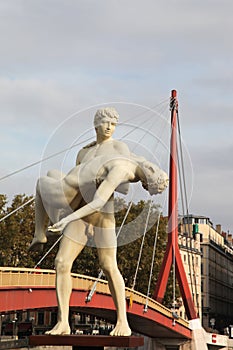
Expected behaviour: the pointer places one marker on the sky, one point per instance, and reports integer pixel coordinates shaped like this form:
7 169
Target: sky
61 60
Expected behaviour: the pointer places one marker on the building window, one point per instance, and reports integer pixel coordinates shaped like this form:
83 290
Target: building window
187 220
40 318
53 318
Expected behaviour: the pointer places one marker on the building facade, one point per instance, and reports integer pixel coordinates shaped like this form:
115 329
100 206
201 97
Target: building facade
190 251
216 270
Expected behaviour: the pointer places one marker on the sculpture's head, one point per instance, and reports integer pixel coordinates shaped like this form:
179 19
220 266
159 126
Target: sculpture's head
108 114
156 180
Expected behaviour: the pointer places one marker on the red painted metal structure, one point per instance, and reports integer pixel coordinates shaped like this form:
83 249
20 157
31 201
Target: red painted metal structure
152 323
172 250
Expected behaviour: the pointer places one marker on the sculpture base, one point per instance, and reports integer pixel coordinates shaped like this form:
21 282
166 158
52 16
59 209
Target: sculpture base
84 342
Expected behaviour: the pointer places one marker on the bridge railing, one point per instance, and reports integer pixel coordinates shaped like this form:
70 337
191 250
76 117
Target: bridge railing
26 277
14 276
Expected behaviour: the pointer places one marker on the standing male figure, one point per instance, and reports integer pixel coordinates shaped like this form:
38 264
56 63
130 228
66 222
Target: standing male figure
101 224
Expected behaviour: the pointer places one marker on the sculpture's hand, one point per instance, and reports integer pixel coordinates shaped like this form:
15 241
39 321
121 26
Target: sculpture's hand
59 226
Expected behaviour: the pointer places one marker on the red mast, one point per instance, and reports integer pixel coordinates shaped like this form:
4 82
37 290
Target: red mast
172 250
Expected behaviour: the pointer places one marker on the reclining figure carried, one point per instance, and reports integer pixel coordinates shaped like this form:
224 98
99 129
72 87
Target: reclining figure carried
99 177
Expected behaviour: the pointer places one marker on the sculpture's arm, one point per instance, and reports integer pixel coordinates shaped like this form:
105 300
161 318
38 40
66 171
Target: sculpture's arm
115 177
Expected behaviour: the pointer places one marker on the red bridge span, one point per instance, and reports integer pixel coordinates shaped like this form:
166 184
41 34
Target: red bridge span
30 289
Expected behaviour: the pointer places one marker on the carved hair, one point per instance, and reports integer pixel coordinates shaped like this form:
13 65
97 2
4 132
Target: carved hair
108 113
155 177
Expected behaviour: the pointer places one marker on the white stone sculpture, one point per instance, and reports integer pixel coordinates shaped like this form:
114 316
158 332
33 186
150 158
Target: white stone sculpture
87 190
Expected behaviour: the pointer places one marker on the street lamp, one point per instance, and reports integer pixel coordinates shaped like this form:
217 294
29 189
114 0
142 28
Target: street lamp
14 327
212 322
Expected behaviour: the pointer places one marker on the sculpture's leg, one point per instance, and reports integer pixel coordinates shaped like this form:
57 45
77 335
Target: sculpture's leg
46 189
41 219
56 214
107 258
68 251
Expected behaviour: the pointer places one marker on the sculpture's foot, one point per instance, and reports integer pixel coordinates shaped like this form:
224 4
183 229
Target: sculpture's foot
61 328
121 329
37 243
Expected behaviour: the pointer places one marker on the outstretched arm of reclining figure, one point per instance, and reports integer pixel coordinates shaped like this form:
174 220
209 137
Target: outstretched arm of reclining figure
117 176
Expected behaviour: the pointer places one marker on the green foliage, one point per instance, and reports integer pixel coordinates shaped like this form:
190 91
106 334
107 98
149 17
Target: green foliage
128 255
87 262
16 232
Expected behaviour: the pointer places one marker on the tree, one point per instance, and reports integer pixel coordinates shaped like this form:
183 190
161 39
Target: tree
128 255
16 233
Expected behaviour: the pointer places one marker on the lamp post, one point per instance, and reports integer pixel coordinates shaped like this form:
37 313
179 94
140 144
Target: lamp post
1 317
14 333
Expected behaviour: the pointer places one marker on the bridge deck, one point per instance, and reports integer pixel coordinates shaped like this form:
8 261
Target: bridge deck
22 289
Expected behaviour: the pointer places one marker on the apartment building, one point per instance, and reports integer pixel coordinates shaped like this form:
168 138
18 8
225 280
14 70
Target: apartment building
190 250
215 270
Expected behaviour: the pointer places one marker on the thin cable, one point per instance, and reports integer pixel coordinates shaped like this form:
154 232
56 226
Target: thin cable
51 248
135 128
142 244
182 163
194 290
49 157
183 211
67 149
44 159
15 210
163 102
174 277
92 291
125 217
152 262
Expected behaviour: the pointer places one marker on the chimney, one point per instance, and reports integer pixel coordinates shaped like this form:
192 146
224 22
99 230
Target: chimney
219 228
224 234
229 238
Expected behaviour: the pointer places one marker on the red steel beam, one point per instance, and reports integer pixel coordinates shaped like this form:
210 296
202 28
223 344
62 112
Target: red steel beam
172 250
13 299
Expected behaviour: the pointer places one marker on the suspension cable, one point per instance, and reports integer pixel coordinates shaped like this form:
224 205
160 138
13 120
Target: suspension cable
44 159
194 289
163 102
183 211
51 248
15 210
54 155
142 244
69 148
64 150
152 262
174 277
92 291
